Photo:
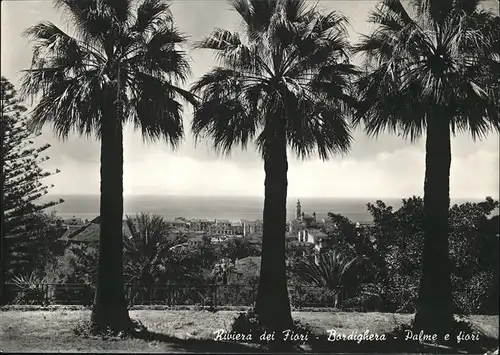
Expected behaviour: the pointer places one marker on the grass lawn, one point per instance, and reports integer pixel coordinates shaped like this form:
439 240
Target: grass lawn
178 330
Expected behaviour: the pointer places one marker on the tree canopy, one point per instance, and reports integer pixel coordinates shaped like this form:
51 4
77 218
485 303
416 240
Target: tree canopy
288 66
25 226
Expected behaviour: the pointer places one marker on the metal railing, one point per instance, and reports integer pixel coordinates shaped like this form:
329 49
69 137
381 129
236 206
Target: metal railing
205 295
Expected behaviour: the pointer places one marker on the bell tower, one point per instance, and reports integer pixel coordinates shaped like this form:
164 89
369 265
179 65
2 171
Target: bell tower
298 213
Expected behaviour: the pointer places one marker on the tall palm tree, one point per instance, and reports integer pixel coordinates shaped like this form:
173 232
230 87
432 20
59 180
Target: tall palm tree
120 66
432 67
282 82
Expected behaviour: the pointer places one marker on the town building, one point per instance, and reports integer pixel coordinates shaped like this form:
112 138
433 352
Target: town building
199 225
74 221
252 227
237 228
302 220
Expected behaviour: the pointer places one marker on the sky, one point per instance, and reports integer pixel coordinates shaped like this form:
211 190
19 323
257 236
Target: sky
385 167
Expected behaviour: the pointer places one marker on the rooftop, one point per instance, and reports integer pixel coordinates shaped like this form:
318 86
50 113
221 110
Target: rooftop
89 233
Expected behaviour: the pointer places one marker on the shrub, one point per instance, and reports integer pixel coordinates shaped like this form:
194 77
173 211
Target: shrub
30 290
368 300
475 296
312 296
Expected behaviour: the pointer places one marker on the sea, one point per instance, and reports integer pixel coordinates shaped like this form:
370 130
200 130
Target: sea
232 208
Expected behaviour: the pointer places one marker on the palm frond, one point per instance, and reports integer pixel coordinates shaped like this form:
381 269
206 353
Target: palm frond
159 54
440 61
275 74
256 15
110 53
96 20
231 52
72 104
227 102
154 108
152 14
333 270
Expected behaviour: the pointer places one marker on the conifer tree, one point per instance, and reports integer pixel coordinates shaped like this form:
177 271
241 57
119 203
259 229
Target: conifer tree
25 228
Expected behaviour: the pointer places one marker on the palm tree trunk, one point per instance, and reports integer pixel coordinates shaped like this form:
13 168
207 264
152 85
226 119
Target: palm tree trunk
110 306
3 251
272 304
435 302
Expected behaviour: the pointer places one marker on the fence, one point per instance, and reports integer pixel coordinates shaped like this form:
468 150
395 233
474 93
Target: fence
170 295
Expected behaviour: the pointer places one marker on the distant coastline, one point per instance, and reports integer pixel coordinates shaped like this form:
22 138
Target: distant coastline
223 207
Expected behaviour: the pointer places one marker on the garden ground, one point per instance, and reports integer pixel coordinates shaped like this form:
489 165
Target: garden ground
179 330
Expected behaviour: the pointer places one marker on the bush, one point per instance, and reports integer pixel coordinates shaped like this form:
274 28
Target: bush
312 296
400 294
368 300
475 296
77 265
30 289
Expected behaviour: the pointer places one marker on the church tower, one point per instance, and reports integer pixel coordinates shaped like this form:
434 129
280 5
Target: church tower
298 213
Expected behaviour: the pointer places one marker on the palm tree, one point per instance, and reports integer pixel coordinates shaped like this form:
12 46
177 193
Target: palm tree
145 248
333 270
148 234
282 82
432 68
121 65
149 259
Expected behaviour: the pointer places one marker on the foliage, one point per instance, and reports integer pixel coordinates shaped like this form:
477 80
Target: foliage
295 251
238 248
222 270
292 60
152 262
200 256
346 237
473 252
137 56
424 59
77 265
248 270
31 289
181 266
37 246
29 233
332 271
74 272
145 248
367 300
314 296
